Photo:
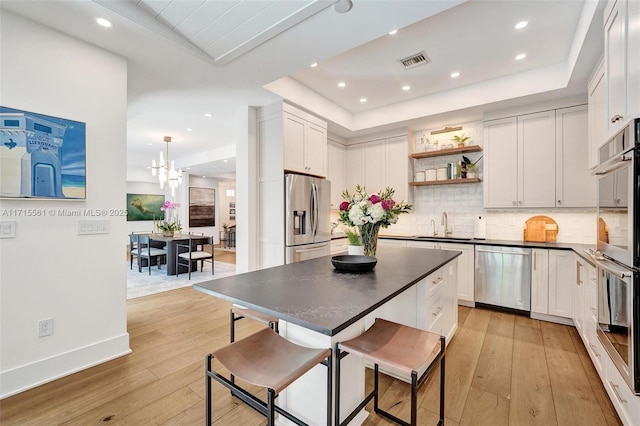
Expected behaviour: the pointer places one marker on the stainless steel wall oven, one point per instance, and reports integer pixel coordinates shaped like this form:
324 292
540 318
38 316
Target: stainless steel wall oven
618 251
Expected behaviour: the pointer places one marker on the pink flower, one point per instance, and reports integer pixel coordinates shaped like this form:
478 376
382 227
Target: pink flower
374 198
344 206
388 204
168 205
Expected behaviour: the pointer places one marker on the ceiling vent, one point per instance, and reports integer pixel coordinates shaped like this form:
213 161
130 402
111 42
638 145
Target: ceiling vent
415 60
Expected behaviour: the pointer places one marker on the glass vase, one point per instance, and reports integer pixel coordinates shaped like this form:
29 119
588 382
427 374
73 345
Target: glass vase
369 236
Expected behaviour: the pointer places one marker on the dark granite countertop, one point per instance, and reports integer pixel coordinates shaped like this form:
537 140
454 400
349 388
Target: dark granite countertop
577 248
312 294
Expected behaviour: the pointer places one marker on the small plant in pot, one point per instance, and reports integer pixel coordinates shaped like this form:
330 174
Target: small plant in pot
355 242
460 139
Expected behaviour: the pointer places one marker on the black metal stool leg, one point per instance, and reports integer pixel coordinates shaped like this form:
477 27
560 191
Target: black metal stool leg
414 398
208 390
336 353
441 422
271 415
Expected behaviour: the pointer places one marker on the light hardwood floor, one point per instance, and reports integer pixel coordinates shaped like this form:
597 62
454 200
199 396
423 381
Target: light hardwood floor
501 369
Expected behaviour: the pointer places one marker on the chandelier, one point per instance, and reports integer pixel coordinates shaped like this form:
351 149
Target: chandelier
172 177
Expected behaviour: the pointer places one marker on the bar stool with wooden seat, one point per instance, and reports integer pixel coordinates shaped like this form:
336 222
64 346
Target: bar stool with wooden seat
400 348
237 313
268 360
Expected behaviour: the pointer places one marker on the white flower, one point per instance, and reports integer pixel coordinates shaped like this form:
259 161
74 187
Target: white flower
376 212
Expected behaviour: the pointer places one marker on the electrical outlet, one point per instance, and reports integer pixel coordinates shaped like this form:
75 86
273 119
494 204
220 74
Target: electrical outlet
45 327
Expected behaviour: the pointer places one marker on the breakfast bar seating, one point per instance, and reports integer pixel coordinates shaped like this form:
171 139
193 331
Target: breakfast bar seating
268 360
400 348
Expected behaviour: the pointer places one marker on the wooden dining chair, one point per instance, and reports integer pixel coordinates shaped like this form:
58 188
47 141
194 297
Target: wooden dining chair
193 251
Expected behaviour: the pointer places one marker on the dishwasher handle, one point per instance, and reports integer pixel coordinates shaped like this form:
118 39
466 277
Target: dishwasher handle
518 253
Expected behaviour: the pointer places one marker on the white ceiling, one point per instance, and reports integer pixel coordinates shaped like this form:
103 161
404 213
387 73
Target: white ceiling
191 57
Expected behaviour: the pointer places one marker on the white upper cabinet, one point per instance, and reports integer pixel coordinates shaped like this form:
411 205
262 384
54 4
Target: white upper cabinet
536 154
378 164
500 163
615 42
305 143
575 186
621 62
336 168
538 160
520 161
597 91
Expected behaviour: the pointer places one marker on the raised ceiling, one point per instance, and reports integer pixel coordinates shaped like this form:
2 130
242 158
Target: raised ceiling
187 58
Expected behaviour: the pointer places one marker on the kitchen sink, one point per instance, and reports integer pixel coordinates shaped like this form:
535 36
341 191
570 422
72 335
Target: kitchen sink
441 238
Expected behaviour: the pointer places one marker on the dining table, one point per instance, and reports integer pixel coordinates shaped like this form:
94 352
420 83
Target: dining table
171 245
318 306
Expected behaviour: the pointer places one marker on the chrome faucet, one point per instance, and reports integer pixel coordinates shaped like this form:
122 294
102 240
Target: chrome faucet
447 231
435 231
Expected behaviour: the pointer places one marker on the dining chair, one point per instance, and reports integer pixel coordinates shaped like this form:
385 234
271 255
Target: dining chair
142 248
194 251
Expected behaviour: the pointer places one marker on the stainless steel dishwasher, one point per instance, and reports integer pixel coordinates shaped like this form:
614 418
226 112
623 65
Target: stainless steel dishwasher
503 277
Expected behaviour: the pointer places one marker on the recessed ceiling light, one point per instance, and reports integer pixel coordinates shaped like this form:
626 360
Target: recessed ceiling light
342 84
313 65
204 177
520 25
189 129
455 74
406 88
225 161
392 32
104 22
208 115
521 56
188 168
149 144
363 100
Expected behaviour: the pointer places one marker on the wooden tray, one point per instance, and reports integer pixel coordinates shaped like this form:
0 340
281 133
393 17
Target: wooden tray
540 229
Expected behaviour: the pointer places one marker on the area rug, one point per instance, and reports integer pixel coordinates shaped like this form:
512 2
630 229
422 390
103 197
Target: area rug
142 284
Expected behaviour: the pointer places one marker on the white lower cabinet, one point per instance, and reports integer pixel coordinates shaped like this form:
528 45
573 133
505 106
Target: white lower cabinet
339 245
391 242
561 281
465 292
429 305
540 281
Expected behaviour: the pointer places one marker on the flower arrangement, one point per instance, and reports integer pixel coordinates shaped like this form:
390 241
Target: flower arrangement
171 222
369 212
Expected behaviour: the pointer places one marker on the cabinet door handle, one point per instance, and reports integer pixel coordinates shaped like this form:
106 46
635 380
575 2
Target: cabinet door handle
515 203
614 387
437 280
520 202
578 278
615 118
535 261
436 313
559 201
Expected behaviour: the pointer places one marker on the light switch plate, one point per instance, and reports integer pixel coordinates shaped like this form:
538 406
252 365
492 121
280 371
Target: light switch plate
91 227
8 229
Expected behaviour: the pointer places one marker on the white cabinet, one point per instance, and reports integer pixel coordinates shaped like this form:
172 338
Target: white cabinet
615 55
561 282
336 168
339 245
428 305
538 160
378 164
575 186
465 288
597 92
540 281
552 280
391 242
305 143
621 62
519 161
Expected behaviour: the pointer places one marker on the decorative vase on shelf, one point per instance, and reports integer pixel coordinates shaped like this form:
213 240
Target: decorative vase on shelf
369 235
355 250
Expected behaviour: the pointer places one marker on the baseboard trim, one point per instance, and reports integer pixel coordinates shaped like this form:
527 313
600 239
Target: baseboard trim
552 318
37 373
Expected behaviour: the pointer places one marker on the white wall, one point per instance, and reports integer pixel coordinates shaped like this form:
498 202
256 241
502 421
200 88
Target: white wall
47 270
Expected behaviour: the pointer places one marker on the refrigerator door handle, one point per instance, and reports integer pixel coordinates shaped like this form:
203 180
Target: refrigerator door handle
322 247
314 209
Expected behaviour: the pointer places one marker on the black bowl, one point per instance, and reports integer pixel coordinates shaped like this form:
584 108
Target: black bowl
353 263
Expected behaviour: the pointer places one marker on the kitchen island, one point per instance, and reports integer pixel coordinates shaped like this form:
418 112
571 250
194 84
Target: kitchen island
318 306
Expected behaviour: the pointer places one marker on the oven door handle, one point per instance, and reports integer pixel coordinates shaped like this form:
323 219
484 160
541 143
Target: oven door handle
613 164
606 265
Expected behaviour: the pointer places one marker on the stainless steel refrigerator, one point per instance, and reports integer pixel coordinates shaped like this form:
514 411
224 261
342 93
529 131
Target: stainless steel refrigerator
307 217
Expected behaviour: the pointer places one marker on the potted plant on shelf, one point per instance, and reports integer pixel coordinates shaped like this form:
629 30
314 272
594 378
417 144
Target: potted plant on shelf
460 139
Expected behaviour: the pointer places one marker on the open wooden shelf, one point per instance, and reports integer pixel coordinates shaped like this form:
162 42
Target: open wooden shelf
441 152
446 182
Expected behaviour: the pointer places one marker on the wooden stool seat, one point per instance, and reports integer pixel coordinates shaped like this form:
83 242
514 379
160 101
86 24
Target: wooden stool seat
399 347
269 360
395 345
254 315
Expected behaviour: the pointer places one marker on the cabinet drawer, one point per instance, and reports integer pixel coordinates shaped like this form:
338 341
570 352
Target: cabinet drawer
435 313
626 403
434 283
595 349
